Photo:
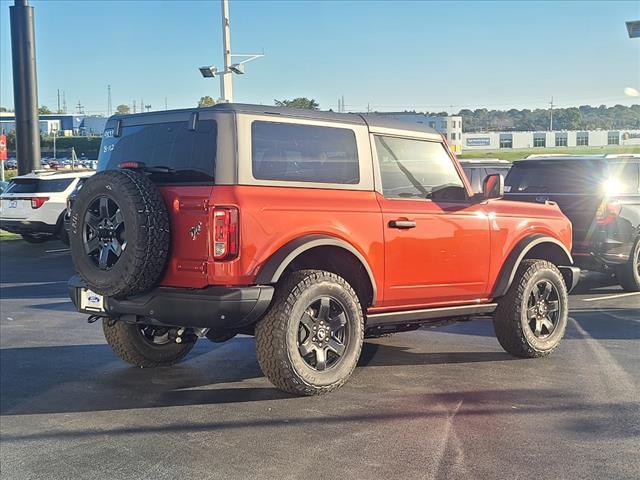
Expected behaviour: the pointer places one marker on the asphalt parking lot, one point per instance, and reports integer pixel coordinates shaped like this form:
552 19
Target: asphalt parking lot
436 403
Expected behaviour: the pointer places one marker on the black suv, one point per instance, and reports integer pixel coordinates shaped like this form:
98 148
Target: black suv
601 197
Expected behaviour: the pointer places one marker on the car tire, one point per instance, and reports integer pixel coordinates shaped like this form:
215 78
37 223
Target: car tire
144 346
310 340
119 233
532 317
629 274
35 238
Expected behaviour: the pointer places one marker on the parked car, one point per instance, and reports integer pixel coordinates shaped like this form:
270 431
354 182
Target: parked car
309 230
477 169
33 205
601 197
10 164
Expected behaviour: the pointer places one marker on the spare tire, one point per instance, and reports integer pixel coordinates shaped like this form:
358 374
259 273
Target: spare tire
119 233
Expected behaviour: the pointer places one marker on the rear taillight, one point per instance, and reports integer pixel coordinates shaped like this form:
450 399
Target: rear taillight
607 213
226 234
37 202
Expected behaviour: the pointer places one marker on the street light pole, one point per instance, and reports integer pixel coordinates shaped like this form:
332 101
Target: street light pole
226 78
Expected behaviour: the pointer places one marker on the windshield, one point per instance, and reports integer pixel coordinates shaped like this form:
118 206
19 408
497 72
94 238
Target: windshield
35 185
554 176
190 154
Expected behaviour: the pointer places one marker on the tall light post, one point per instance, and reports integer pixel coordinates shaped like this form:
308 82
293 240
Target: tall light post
55 135
226 76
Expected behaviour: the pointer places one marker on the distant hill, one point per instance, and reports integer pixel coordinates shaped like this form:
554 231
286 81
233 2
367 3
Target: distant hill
584 117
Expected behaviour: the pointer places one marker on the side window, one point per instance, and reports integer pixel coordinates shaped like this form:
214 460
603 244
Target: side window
304 153
417 169
625 175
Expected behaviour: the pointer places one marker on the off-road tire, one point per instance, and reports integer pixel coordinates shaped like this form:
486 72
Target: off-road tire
510 321
276 333
128 343
147 230
628 274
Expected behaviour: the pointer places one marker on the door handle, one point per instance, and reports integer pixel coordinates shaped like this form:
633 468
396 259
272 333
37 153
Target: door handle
402 224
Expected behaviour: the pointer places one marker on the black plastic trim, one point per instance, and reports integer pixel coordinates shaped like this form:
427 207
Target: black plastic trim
273 268
508 272
219 308
571 276
20 226
424 315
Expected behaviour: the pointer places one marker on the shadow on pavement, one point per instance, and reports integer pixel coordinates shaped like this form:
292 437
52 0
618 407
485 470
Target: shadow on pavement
583 416
84 378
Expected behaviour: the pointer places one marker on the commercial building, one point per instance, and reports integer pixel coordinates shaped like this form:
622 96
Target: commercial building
65 124
450 126
566 138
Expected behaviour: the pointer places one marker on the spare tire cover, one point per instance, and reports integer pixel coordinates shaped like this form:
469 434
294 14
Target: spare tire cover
119 233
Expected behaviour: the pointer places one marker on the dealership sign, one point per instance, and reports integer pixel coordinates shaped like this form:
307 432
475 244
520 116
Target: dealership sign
478 142
3 147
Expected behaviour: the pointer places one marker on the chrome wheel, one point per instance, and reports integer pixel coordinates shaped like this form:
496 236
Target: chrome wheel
104 236
323 333
543 309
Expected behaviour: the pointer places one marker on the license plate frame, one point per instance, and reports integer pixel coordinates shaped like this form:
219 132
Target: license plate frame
91 301
13 204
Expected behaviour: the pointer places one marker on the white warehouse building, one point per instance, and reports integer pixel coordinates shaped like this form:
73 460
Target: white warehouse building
569 138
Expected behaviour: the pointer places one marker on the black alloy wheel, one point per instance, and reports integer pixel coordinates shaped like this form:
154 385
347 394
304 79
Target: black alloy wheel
105 233
323 333
155 335
543 309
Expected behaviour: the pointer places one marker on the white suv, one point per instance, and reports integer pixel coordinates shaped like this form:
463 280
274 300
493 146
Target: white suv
34 205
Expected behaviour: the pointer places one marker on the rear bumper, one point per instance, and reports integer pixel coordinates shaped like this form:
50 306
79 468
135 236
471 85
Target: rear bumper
23 226
218 308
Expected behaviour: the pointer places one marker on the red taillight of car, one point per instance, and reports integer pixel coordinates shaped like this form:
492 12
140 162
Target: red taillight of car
130 164
226 234
607 213
37 202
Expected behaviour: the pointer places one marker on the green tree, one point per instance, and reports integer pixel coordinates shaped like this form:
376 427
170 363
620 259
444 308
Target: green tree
122 109
300 102
44 110
206 101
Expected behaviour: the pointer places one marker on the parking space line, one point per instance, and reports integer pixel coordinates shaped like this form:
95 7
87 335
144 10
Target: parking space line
57 250
619 295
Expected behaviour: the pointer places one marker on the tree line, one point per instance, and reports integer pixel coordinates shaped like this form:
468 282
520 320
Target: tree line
584 117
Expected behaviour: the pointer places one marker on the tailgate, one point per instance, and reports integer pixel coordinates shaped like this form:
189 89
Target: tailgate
15 207
579 208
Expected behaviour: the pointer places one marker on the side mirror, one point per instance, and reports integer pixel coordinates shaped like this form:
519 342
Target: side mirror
493 186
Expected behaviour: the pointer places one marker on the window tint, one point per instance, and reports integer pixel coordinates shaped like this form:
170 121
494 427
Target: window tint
625 177
191 153
39 185
304 153
417 169
555 176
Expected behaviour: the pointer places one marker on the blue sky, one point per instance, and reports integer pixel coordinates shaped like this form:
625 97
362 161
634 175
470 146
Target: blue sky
392 56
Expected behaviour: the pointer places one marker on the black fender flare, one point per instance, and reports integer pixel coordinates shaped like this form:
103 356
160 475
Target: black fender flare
517 254
275 266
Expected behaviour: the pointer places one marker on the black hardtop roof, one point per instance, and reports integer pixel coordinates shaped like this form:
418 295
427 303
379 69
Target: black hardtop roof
582 158
372 120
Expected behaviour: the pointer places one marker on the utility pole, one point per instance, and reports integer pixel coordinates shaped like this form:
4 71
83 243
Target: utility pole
226 78
64 101
109 109
343 109
134 106
58 111
165 103
80 108
551 116
25 86
141 105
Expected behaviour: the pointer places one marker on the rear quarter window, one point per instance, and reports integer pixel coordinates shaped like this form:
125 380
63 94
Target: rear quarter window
191 153
625 177
304 153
